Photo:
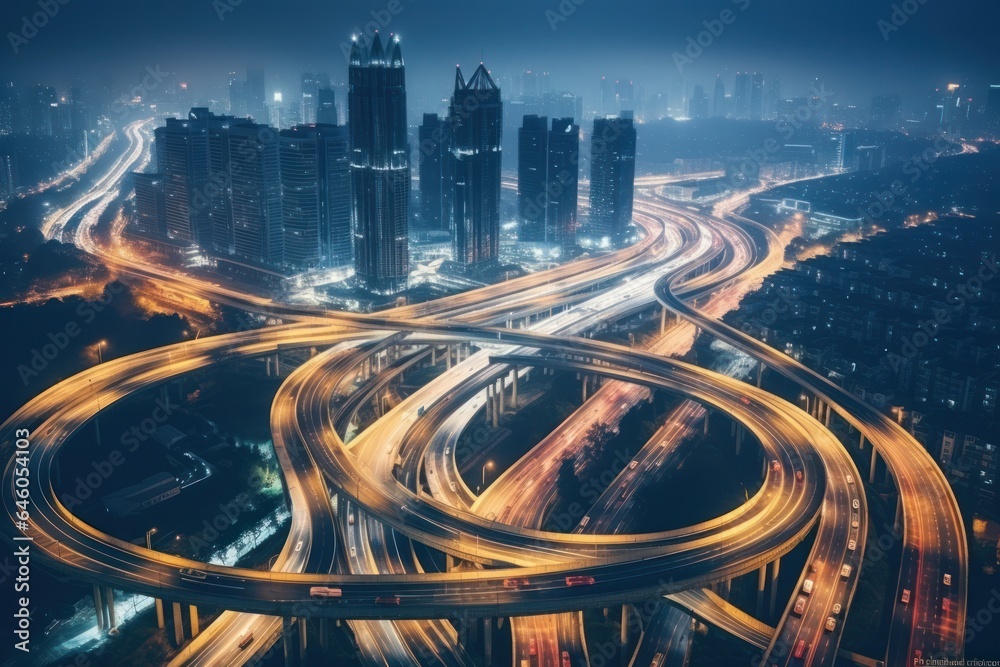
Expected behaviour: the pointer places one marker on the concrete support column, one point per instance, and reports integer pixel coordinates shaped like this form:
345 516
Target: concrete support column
496 405
488 641
160 623
193 616
626 622
286 633
871 474
99 608
434 352
175 607
583 387
727 588
449 562
827 420
775 569
322 632
502 391
708 416
761 581
663 319
489 403
447 355
109 605
861 442
898 523
513 388
760 373
303 640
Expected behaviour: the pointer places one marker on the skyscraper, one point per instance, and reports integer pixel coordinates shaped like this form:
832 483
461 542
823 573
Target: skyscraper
256 193
757 96
532 165
437 173
316 196
150 203
254 97
698 106
612 178
742 95
562 182
380 168
326 106
719 98
182 154
476 116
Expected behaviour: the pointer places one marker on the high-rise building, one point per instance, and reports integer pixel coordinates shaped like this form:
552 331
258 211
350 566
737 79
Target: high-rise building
612 178
742 95
316 196
609 101
255 184
625 94
380 166
150 204
326 106
476 116
254 96
719 98
698 104
993 101
237 97
885 111
772 102
182 154
757 96
532 165
562 182
437 174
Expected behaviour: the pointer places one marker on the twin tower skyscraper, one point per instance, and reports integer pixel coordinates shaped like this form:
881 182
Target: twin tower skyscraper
380 166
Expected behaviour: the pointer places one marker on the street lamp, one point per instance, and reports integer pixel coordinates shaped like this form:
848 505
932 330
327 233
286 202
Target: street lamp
149 534
488 466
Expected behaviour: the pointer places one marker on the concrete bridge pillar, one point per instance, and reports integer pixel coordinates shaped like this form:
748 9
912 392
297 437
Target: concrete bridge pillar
160 623
898 523
760 373
871 474
761 581
501 395
303 640
626 622
286 635
447 356
175 607
583 388
488 641
775 569
513 388
663 320
109 604
99 608
495 406
861 442
434 352
193 615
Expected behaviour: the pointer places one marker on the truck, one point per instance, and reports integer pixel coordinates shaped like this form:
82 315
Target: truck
324 592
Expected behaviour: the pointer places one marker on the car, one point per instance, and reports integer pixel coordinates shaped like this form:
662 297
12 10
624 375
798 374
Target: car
856 504
744 400
800 605
814 566
447 450
565 659
584 521
798 475
800 649
453 487
532 647
194 574
845 571
831 624
947 579
775 466
350 519
515 582
855 521
807 586
298 546
388 600
246 639
852 545
657 660
850 479
837 608
905 597
633 464
324 592
354 552
579 580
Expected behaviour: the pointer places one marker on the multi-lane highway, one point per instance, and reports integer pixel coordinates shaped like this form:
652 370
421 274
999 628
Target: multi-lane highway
362 542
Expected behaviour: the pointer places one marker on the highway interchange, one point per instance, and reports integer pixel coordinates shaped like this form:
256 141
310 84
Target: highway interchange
397 483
